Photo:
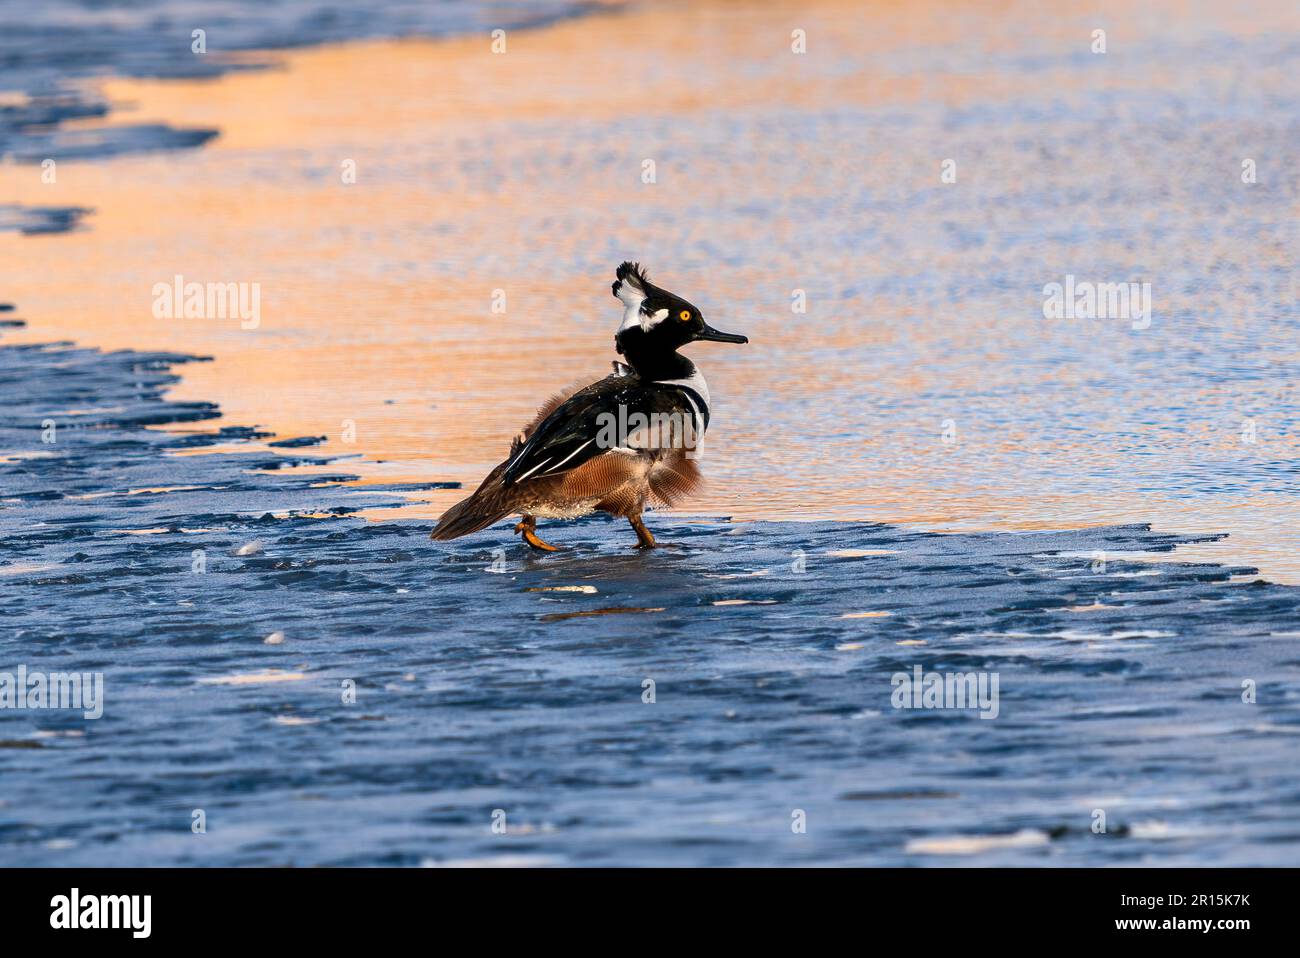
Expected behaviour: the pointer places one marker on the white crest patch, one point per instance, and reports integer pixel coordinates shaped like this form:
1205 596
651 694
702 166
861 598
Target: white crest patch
654 319
631 297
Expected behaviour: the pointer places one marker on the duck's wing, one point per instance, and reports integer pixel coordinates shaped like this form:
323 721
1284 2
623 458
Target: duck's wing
600 418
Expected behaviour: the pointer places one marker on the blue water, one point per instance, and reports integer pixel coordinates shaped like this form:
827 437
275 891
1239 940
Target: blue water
478 692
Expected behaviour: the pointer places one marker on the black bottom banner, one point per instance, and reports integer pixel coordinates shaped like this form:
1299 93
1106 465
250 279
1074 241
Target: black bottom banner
336 906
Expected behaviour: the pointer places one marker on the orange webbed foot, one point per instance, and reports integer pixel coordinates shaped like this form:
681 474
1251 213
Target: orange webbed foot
529 529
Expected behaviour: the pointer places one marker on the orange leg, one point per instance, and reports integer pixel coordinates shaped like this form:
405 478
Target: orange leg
644 540
529 528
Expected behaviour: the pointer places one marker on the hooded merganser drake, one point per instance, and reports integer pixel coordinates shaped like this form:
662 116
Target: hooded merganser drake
630 439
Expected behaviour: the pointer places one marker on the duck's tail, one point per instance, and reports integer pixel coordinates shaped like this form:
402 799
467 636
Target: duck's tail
492 501
477 512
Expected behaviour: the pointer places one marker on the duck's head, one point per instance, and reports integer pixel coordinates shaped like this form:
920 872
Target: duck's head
657 321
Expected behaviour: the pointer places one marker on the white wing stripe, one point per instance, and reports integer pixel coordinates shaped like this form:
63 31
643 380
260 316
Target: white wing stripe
532 470
571 455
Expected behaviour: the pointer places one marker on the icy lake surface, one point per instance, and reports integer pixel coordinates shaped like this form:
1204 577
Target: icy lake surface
231 605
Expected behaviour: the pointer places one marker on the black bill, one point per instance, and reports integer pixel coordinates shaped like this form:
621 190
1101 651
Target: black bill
714 336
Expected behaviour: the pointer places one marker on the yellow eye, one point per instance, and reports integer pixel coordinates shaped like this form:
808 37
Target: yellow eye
684 315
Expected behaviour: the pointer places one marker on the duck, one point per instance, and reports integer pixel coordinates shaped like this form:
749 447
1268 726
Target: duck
619 445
